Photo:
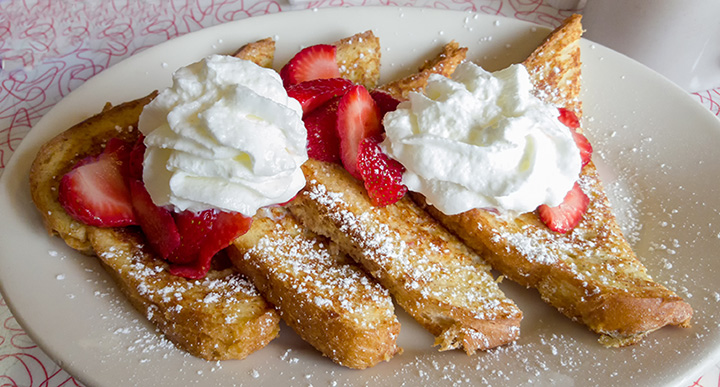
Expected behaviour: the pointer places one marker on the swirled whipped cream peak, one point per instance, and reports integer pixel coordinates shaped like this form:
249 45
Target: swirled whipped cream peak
482 140
224 136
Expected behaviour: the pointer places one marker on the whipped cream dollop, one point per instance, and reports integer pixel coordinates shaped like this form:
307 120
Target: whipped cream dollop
224 136
482 140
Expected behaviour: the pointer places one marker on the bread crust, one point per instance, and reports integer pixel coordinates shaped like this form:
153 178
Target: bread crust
591 273
555 66
443 64
261 52
318 291
358 57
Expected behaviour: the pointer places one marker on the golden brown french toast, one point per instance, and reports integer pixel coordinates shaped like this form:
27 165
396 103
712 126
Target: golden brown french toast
261 52
219 317
591 273
430 273
555 67
322 295
319 292
444 64
358 58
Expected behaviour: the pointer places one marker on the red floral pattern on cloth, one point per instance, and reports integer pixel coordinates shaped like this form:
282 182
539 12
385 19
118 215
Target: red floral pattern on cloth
50 47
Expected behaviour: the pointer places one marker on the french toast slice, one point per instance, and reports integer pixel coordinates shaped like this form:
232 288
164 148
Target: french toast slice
444 63
430 273
358 57
219 317
319 292
590 274
261 52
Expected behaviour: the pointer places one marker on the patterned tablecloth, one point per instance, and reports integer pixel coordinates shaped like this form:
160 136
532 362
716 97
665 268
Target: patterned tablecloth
50 47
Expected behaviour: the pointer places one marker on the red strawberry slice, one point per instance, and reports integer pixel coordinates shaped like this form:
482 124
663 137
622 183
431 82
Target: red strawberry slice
314 93
358 118
94 191
584 145
381 175
137 155
569 119
193 228
385 102
322 138
221 229
568 214
314 62
226 228
156 222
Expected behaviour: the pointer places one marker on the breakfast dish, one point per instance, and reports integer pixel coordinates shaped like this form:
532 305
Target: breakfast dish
203 154
246 368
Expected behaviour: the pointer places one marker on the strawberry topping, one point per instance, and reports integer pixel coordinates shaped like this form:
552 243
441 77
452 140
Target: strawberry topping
314 93
193 227
156 222
137 155
385 102
568 214
585 148
358 118
569 119
108 191
314 62
322 138
207 233
381 175
94 191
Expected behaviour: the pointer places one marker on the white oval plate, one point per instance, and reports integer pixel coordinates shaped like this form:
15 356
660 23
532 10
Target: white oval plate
656 148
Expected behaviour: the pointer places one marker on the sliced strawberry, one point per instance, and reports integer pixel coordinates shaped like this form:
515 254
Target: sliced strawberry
157 223
137 155
193 228
358 118
385 102
381 175
568 214
118 147
585 147
314 93
95 193
322 138
314 62
226 228
569 119
221 229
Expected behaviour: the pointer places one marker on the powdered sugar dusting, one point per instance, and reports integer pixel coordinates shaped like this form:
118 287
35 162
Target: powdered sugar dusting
430 273
587 251
316 272
173 303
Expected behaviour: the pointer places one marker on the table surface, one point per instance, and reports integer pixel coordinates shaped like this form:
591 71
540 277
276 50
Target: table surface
49 48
